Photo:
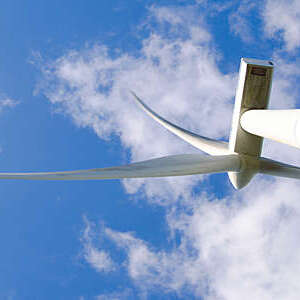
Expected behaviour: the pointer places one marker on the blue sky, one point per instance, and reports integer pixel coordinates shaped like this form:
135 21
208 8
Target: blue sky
66 71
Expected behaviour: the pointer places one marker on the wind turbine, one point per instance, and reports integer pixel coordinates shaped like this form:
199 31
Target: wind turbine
241 157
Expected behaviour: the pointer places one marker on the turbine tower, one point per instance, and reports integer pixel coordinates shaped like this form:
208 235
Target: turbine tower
240 157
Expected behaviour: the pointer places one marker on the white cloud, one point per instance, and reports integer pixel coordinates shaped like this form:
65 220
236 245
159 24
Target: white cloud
282 19
180 22
239 20
177 76
230 249
237 247
99 259
6 102
120 295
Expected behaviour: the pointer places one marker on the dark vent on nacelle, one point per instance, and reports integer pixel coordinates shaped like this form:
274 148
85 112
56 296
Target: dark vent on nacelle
258 71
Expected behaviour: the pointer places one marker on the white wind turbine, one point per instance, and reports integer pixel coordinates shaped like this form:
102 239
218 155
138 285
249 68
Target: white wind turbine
241 157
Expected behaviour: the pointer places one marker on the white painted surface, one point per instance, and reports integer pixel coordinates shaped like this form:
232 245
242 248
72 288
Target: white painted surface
175 165
237 107
253 91
205 144
279 125
276 168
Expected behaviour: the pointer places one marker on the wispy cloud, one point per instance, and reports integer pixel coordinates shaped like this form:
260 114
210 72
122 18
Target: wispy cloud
119 295
99 259
171 70
229 249
282 20
237 247
239 20
6 102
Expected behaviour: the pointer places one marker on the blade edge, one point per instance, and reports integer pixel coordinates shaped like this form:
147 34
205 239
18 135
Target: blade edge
210 146
176 165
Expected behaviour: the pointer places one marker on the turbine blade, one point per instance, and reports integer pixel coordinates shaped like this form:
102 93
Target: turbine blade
176 165
205 144
276 168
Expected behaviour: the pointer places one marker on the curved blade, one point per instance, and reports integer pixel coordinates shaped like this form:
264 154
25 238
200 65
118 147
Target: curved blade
205 144
176 165
276 168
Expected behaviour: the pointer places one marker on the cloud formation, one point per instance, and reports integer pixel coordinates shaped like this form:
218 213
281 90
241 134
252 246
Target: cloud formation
282 19
99 259
239 21
239 246
176 67
6 102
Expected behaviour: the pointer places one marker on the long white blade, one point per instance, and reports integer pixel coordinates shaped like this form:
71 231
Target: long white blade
205 144
176 165
276 168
